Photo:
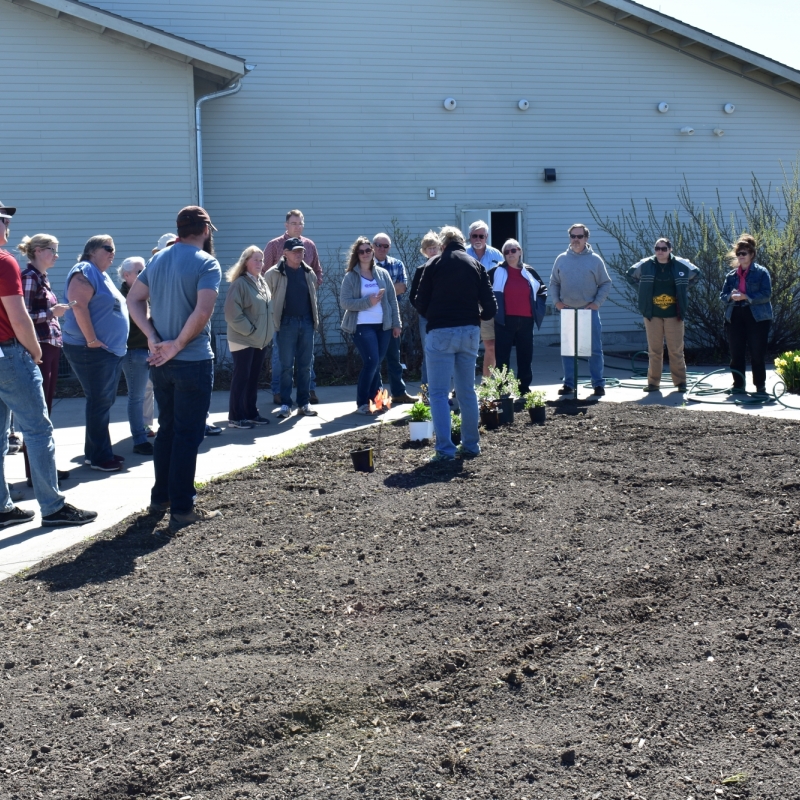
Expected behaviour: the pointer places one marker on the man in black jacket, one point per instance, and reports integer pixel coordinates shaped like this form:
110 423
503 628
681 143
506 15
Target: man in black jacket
454 295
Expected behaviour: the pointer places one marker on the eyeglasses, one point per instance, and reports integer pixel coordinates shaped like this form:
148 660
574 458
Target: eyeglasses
365 252
577 236
511 250
741 253
5 220
477 236
382 246
107 247
661 249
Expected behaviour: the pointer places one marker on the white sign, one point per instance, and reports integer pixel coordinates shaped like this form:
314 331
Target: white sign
568 332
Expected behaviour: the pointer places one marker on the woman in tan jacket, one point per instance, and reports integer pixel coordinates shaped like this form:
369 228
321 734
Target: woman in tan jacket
249 318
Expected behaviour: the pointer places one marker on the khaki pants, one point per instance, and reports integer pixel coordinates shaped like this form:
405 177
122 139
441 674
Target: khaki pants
658 329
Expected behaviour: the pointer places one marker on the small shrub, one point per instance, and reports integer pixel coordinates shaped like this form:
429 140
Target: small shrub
419 412
534 399
455 422
787 367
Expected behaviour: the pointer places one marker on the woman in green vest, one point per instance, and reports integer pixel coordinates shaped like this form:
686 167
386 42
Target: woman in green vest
663 299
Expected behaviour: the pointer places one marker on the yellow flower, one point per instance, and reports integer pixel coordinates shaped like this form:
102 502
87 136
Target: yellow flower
788 354
783 363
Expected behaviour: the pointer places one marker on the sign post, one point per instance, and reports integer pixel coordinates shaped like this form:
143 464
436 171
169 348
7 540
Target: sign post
576 337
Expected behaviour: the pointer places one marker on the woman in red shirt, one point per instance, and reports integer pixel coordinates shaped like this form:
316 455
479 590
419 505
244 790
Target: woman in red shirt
521 297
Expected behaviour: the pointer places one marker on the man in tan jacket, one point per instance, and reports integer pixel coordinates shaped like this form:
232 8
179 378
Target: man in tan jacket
295 316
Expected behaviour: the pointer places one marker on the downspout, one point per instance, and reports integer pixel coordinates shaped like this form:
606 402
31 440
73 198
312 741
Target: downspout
199 131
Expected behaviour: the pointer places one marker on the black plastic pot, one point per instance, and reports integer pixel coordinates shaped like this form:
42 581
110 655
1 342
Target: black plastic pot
538 414
362 460
490 418
456 436
507 407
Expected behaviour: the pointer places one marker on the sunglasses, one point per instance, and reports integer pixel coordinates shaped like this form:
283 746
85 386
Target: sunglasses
577 236
511 250
107 247
741 253
661 249
477 236
383 246
365 252
51 249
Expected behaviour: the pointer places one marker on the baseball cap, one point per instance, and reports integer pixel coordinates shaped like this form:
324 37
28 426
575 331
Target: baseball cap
192 214
165 241
7 211
293 243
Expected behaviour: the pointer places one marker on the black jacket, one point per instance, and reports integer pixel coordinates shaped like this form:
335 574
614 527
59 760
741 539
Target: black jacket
454 290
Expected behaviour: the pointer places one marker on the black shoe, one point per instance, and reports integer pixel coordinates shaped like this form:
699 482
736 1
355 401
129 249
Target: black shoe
312 398
213 430
17 516
761 389
682 388
143 449
566 390
63 474
68 515
599 391
648 388
276 400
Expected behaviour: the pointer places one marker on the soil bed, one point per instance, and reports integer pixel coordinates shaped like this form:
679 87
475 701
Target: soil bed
601 607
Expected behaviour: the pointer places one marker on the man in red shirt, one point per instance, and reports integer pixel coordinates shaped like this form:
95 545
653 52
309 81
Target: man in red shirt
21 393
273 253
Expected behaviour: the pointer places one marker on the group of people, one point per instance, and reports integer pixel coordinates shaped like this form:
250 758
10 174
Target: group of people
156 328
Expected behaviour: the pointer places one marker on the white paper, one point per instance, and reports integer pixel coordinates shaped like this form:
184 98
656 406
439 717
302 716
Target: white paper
568 332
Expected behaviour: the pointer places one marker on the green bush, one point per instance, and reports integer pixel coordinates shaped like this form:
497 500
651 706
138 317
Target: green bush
787 368
704 235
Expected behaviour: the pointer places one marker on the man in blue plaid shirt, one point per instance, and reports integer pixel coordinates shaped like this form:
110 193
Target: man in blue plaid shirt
394 266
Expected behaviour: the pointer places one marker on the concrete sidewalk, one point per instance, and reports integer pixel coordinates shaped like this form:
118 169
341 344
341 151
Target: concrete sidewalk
117 495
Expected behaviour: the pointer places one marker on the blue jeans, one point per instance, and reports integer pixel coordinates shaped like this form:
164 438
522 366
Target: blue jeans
137 373
595 361
98 370
395 368
452 354
423 334
21 393
275 385
371 342
183 394
296 347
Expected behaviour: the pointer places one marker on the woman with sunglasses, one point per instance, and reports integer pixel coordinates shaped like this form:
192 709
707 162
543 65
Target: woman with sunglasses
430 247
663 283
371 316
44 309
95 340
747 292
521 299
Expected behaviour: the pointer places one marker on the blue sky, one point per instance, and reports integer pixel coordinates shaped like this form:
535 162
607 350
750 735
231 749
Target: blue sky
767 26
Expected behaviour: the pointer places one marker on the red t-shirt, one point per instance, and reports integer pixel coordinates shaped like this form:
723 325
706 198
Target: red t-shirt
10 285
517 294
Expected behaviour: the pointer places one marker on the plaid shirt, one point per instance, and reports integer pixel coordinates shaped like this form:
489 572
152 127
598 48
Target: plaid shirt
39 299
395 267
273 253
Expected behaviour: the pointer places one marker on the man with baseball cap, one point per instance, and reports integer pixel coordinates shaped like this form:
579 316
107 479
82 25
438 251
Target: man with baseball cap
21 393
295 315
181 283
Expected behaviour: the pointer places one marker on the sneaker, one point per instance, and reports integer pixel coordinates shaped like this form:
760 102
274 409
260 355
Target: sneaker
197 514
14 443
681 387
16 516
566 390
599 391
62 474
276 400
462 452
158 508
213 430
143 449
87 462
438 458
306 411
240 423
651 388
402 399
68 515
364 410
150 432
259 420
312 398
107 466
284 412
761 389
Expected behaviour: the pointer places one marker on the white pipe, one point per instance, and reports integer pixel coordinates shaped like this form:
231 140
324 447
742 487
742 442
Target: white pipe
199 131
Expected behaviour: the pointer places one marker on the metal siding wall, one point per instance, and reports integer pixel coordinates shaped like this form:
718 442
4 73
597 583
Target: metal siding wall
343 118
97 137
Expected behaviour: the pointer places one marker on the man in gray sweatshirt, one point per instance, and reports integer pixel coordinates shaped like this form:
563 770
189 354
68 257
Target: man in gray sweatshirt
580 280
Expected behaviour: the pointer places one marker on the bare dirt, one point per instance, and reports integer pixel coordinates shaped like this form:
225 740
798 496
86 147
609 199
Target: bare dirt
602 607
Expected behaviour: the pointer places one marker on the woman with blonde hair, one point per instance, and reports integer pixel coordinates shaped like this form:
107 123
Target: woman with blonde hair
249 318
747 293
430 247
371 316
44 309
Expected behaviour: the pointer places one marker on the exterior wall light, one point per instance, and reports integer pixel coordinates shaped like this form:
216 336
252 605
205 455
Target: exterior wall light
450 103
729 108
523 105
663 107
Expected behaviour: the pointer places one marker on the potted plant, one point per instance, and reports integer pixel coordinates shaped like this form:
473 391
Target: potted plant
787 368
534 402
455 427
507 390
421 425
488 399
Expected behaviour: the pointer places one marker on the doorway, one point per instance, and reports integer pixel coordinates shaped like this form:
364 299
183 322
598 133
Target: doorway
504 224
